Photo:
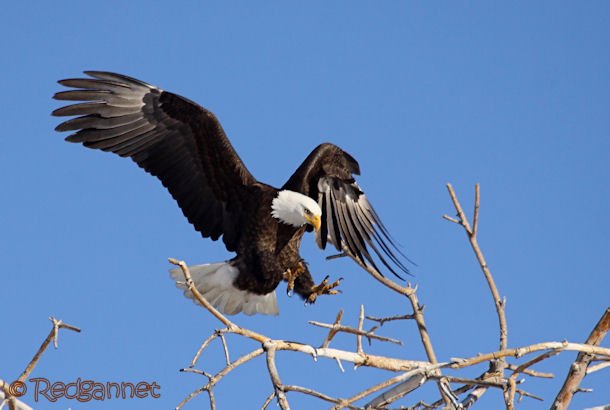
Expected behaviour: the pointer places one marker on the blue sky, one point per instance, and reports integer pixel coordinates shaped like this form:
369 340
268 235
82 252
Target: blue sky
513 97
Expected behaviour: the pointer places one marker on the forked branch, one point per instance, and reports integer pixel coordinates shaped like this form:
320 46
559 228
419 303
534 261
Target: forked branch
472 238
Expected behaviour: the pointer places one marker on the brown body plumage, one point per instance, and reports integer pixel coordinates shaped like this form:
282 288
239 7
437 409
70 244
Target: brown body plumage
184 145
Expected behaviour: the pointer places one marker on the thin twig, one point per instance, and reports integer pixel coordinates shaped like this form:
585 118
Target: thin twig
403 290
340 364
335 328
319 395
213 380
475 217
523 367
523 393
597 367
509 394
531 372
382 320
359 337
203 346
197 371
498 382
268 400
451 219
225 348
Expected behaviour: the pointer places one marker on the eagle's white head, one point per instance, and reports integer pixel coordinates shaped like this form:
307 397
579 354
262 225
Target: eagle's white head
296 209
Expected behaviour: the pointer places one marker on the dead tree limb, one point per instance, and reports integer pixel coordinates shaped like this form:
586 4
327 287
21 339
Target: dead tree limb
472 238
471 233
418 310
411 374
578 370
518 352
53 336
271 346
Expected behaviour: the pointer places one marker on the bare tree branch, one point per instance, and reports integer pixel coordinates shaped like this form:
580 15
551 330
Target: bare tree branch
473 396
225 348
360 329
203 346
531 372
472 237
275 377
321 396
414 369
418 310
411 373
213 380
333 329
268 400
359 359
348 329
522 351
407 382
382 320
499 303
598 367
53 335
509 394
578 369
475 217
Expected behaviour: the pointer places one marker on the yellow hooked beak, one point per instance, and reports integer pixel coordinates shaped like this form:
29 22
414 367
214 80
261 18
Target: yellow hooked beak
314 220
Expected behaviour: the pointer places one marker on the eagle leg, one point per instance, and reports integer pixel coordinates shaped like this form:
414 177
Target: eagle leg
291 275
324 288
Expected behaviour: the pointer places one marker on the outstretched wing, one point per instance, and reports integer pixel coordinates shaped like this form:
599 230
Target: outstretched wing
170 137
348 219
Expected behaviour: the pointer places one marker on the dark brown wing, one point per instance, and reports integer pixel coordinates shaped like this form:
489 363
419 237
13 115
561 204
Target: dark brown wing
348 219
169 136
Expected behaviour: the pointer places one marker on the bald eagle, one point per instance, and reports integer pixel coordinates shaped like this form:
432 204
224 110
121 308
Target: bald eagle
184 145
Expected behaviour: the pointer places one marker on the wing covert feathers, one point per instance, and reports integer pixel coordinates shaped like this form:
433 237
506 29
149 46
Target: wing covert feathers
172 138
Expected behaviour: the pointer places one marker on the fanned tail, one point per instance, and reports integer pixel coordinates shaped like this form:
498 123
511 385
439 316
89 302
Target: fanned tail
215 282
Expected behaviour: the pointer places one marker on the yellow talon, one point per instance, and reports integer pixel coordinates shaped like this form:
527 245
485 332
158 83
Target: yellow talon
291 275
324 288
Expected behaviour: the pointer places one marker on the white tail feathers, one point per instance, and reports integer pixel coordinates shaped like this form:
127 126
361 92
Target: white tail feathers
215 282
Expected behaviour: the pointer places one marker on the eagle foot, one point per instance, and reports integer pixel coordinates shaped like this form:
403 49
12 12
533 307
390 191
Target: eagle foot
291 275
324 288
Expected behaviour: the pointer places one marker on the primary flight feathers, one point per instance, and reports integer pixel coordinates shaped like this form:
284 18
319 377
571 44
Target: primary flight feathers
184 145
